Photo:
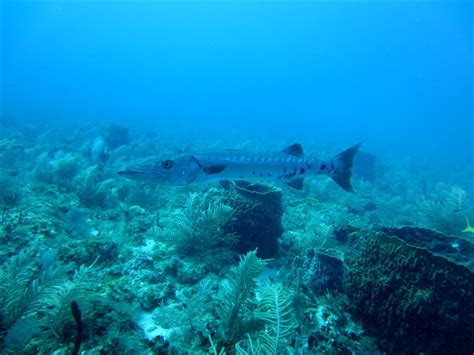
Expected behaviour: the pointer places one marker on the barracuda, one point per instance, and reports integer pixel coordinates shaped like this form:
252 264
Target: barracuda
290 166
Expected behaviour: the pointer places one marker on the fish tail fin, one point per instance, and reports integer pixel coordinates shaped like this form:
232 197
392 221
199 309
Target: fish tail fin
343 162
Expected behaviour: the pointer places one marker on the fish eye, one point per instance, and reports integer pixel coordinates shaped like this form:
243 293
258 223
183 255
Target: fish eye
167 164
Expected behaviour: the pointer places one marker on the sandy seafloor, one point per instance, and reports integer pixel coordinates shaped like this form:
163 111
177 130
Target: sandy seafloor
162 269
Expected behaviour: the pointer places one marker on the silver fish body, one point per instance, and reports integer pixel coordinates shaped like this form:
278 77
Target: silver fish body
290 166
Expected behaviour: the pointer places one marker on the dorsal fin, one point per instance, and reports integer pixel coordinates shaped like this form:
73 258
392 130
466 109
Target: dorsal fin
294 149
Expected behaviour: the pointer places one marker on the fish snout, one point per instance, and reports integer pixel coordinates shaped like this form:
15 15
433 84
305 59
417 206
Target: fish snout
138 172
180 171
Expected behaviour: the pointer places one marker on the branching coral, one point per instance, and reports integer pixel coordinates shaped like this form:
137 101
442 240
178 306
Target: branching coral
442 210
9 193
227 314
60 169
237 297
37 303
196 229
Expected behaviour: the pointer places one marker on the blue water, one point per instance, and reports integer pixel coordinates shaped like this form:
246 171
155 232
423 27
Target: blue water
394 75
89 89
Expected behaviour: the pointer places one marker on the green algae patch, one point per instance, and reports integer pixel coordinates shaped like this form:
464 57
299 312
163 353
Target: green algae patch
414 298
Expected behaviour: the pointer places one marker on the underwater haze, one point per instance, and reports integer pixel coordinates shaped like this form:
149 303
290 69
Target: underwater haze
394 75
240 177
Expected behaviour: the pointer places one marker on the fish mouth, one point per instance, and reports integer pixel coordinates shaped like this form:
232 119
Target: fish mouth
140 173
132 173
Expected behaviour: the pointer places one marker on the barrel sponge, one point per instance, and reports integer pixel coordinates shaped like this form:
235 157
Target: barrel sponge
256 219
413 299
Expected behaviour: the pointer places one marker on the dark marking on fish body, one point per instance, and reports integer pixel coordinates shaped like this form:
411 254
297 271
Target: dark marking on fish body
290 175
214 169
302 171
323 167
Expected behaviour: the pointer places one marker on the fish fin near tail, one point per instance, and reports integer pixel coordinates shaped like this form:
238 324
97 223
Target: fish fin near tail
343 162
297 184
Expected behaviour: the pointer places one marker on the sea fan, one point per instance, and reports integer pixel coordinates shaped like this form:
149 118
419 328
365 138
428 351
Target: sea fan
239 292
276 310
15 276
33 303
197 228
58 302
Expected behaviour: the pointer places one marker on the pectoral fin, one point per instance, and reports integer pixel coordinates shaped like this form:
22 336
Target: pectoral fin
214 169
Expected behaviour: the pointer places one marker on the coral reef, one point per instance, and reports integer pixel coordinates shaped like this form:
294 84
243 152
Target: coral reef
236 267
323 273
35 300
